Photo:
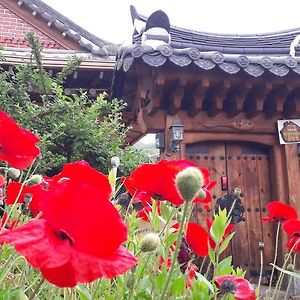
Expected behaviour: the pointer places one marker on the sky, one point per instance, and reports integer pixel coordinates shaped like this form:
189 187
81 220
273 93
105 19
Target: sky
110 19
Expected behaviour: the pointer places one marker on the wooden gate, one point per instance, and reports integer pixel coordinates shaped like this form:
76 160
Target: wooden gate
245 166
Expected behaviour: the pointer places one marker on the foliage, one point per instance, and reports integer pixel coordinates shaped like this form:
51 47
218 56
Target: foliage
70 127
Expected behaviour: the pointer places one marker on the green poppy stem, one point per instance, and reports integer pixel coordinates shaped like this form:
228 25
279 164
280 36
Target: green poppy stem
175 254
275 256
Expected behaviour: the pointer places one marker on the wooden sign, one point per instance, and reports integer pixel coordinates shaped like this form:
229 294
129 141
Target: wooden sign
289 131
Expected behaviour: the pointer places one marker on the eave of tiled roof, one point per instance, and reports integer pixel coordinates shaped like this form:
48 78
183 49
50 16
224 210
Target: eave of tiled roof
56 59
254 54
262 44
68 28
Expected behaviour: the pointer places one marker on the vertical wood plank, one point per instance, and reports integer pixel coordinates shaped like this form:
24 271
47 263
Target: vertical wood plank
239 245
265 196
252 208
293 174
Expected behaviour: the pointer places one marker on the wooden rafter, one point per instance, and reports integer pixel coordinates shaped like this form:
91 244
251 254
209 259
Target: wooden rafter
176 95
198 96
214 103
236 99
273 105
254 104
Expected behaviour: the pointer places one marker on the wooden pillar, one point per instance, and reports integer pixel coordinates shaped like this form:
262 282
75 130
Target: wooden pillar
293 175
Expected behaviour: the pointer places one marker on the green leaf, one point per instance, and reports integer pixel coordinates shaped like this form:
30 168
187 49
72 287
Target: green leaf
199 290
212 255
224 266
217 229
83 292
171 238
161 279
178 286
165 210
297 275
202 279
226 242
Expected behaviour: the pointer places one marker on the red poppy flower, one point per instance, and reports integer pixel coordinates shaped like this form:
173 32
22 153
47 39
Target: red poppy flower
144 213
36 193
239 287
191 275
158 180
2 181
198 238
228 230
80 235
279 211
17 145
5 223
292 228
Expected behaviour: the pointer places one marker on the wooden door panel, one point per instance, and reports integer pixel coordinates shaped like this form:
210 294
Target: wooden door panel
246 167
265 197
210 156
240 247
252 208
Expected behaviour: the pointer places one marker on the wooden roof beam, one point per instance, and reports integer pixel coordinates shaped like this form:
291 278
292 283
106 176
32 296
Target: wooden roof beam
198 96
215 102
236 101
273 105
291 107
154 95
254 104
176 96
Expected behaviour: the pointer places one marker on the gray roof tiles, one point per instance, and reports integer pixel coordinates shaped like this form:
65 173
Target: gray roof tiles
68 28
256 54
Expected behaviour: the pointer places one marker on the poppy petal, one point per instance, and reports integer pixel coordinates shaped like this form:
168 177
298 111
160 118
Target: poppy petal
197 238
243 290
292 227
281 211
85 268
37 243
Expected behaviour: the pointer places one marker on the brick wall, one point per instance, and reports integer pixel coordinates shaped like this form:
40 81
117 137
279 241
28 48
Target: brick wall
13 31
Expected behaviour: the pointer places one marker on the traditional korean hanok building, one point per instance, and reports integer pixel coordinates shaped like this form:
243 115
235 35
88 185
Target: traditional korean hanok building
226 92
61 39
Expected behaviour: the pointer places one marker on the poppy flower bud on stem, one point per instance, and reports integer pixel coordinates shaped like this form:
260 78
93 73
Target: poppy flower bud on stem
188 182
150 242
36 179
13 173
115 161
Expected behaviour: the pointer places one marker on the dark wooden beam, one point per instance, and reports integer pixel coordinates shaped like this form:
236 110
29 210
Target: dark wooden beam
254 103
216 99
154 94
291 107
176 95
235 102
273 105
198 96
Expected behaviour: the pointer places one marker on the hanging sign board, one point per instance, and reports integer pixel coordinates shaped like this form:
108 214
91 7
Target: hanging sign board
289 131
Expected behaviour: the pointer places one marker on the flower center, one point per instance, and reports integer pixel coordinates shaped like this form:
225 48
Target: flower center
62 235
157 197
227 286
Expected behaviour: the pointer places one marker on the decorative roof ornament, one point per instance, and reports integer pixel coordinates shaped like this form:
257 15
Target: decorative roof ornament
157 30
295 46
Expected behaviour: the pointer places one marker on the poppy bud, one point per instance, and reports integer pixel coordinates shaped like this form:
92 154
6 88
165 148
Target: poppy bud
130 280
13 173
188 182
201 194
150 242
115 161
36 179
290 267
21 296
